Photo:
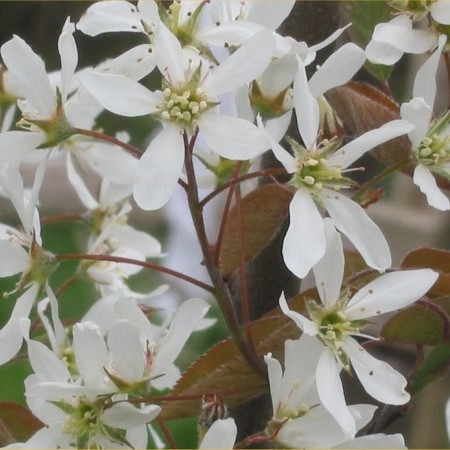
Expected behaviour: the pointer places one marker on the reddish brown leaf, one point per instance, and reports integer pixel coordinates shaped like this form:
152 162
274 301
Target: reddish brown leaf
223 370
362 108
18 422
263 211
419 324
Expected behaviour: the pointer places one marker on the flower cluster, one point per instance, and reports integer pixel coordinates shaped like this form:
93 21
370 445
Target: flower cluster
230 91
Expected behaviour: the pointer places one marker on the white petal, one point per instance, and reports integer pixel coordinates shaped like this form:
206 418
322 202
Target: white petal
285 158
69 58
275 373
352 151
120 94
29 70
337 70
425 81
91 353
306 325
111 162
316 429
279 75
331 394
379 379
221 434
306 107
278 126
46 364
234 33
419 114
159 169
270 14
232 137
124 415
169 55
13 259
187 317
104 17
304 243
78 184
136 63
427 184
11 337
15 144
440 11
390 292
382 53
405 39
243 66
301 357
126 351
329 271
350 219
375 441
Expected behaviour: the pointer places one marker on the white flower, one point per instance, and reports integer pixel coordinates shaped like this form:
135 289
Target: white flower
317 170
299 419
187 102
430 138
73 399
390 40
21 253
341 316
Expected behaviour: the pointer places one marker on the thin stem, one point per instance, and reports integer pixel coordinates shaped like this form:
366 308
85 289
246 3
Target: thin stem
60 218
357 196
135 262
111 139
243 287
222 293
166 432
447 67
226 210
67 283
235 181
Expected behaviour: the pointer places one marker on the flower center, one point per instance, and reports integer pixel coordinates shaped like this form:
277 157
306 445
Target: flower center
417 9
184 105
83 420
314 171
434 150
334 326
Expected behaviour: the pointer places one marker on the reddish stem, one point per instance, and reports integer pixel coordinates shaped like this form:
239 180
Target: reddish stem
135 262
226 210
60 218
167 434
235 181
111 139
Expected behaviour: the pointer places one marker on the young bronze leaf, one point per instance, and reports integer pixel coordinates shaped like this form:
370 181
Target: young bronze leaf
431 258
263 211
362 108
224 371
419 324
17 423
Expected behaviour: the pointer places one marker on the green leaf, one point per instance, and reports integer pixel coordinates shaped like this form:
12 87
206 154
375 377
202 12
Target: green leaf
431 368
263 211
419 324
364 15
225 372
16 422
